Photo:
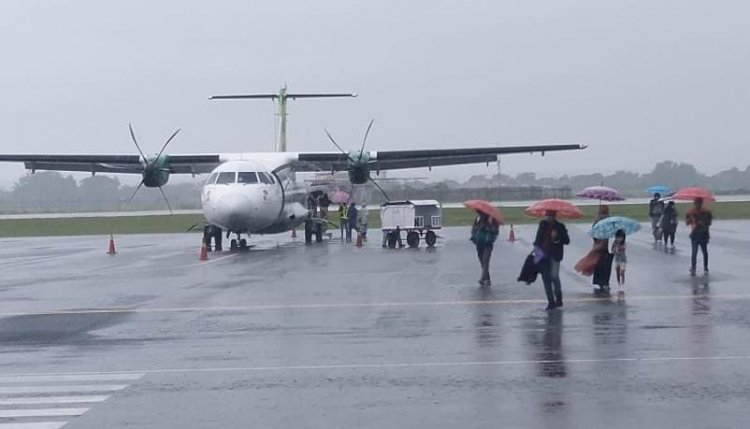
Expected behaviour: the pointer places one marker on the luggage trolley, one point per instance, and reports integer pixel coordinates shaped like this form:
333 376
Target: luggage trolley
418 218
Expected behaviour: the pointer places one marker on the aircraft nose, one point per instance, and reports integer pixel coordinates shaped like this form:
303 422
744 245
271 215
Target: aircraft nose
235 210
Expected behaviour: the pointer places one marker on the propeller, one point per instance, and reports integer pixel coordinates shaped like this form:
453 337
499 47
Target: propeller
155 170
359 165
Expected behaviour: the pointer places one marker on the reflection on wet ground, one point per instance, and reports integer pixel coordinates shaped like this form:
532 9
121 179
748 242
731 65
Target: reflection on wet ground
332 335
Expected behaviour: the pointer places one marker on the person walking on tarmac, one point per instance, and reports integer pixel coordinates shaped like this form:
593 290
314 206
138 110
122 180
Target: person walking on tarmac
699 219
551 236
351 222
363 220
484 232
655 210
343 219
669 224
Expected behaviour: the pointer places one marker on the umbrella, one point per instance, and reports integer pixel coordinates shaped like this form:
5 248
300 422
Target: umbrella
659 189
487 208
563 208
340 197
608 227
690 194
601 193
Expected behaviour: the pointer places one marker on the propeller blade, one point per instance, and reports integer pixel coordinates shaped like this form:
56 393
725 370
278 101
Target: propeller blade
387 198
364 140
166 200
132 134
132 195
167 143
330 137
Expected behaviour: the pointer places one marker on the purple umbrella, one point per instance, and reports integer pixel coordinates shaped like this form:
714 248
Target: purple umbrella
601 193
340 197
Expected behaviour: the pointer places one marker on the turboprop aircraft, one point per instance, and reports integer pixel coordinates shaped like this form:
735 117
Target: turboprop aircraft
258 193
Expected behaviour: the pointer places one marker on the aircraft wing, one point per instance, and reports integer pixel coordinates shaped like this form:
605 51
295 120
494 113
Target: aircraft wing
401 159
127 164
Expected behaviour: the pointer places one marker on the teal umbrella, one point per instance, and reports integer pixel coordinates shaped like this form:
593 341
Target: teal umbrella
608 227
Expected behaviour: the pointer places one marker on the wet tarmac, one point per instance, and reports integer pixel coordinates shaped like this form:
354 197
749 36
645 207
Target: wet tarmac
335 336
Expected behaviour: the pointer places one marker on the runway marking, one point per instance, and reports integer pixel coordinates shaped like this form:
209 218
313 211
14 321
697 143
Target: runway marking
36 400
42 412
42 425
396 365
63 388
346 305
67 378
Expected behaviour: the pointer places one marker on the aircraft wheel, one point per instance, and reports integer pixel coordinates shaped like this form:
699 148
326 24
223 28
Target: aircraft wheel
243 244
412 239
233 245
318 232
430 238
308 231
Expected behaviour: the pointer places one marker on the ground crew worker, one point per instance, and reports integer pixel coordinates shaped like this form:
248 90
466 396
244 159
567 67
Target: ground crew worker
343 219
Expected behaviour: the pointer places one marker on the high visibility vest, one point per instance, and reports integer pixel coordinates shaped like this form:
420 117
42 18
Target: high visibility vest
345 213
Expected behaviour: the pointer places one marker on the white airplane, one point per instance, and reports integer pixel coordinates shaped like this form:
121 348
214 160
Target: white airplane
257 193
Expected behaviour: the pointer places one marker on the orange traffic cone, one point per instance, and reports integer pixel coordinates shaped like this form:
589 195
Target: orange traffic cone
294 232
512 235
111 250
359 240
204 252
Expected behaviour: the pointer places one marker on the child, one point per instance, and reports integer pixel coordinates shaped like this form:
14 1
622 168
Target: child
618 250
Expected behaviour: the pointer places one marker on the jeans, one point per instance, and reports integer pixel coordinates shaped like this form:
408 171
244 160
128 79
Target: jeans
694 255
484 253
348 233
343 223
550 271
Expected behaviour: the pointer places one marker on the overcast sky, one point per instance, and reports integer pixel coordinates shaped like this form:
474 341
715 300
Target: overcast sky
638 81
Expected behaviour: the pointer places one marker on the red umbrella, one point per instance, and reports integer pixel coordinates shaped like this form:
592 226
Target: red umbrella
690 194
562 208
485 207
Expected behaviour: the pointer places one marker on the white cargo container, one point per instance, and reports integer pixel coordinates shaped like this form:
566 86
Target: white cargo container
417 218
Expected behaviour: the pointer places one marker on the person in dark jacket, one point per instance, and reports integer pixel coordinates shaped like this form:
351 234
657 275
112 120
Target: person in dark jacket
551 236
351 221
699 219
603 268
484 232
669 223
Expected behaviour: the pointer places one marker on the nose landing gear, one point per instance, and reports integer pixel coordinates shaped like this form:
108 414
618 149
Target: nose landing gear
238 244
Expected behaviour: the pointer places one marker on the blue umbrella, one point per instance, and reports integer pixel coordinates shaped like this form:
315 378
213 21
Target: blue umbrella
659 189
608 227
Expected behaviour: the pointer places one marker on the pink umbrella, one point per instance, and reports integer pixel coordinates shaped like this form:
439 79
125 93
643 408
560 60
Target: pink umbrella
340 197
693 193
562 208
601 193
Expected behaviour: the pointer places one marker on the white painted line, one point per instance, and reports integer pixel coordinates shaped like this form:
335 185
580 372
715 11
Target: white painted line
62 388
385 365
42 412
347 305
41 425
36 400
67 378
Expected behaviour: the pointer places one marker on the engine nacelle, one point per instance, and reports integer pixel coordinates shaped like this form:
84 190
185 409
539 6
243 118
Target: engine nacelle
156 171
359 167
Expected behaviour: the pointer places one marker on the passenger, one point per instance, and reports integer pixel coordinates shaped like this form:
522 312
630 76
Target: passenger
603 267
484 232
621 259
352 222
699 219
363 221
669 223
343 219
551 236
655 210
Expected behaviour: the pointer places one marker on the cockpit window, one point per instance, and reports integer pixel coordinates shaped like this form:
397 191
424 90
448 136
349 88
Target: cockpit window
245 177
225 178
265 178
211 178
